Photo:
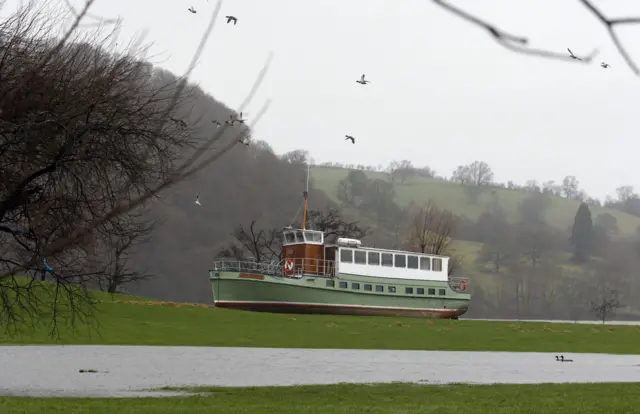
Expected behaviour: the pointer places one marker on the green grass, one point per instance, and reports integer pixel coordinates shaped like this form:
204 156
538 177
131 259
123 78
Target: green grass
374 399
450 195
127 321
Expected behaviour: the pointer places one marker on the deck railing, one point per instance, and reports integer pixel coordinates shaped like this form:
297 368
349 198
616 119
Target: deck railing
297 267
247 266
459 284
308 266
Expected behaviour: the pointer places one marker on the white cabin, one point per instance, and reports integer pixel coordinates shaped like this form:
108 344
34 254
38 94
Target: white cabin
392 264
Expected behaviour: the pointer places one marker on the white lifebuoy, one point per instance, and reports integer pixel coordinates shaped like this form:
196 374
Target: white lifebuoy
288 266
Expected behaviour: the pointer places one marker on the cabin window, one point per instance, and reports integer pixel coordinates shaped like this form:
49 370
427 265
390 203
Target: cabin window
346 255
379 288
391 289
408 291
442 292
313 236
420 291
374 258
367 288
425 263
331 283
432 291
360 257
437 265
412 262
386 259
401 260
355 286
299 237
289 237
343 285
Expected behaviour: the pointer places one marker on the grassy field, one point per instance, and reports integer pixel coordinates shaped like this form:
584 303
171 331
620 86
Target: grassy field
374 399
122 320
450 195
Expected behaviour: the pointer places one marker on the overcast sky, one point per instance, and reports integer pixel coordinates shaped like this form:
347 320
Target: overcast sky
442 93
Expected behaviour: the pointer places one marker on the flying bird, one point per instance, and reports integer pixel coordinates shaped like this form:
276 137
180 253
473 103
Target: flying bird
244 141
239 119
605 65
192 10
198 199
572 56
353 140
233 19
362 80
46 265
231 121
561 359
216 122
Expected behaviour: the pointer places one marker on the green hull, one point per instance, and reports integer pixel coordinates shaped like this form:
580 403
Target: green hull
263 292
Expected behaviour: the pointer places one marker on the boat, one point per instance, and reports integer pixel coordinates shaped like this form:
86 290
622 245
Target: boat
345 278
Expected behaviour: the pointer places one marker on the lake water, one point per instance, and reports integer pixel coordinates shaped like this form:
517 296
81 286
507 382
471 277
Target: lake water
129 370
628 323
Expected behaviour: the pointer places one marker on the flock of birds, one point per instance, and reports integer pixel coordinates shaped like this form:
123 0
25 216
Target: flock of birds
230 19
362 80
239 119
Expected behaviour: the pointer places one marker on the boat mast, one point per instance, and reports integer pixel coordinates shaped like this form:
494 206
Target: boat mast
305 194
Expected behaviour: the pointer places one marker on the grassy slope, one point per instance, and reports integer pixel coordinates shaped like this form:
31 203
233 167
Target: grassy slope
378 399
128 321
450 195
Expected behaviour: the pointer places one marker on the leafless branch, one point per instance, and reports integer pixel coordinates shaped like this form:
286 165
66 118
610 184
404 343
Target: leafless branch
430 232
519 44
86 137
187 169
606 305
261 244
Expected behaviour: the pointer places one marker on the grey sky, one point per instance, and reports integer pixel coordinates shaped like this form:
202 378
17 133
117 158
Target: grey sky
442 93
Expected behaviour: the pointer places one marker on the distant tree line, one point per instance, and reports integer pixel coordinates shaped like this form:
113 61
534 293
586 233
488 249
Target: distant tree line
478 176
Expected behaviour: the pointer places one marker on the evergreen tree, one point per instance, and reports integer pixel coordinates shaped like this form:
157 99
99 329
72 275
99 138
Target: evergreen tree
582 234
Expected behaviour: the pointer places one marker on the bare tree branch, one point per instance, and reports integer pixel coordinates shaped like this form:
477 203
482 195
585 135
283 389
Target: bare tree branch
430 232
86 137
187 169
519 44
609 24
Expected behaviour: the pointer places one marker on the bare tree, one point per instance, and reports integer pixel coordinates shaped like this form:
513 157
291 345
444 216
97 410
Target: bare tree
570 187
606 305
430 232
121 241
260 244
297 157
85 137
477 173
402 170
626 193
332 223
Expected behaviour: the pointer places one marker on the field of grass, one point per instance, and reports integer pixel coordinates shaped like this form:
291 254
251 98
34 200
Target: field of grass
375 399
122 320
450 195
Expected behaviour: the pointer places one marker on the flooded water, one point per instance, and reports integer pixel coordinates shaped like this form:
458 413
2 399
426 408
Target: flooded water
628 323
129 370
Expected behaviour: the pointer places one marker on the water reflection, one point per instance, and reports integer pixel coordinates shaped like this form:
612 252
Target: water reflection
53 370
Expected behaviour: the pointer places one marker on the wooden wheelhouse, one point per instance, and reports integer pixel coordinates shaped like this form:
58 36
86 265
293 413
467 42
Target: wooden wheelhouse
304 251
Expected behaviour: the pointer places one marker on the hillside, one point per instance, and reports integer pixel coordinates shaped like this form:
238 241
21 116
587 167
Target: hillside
450 195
